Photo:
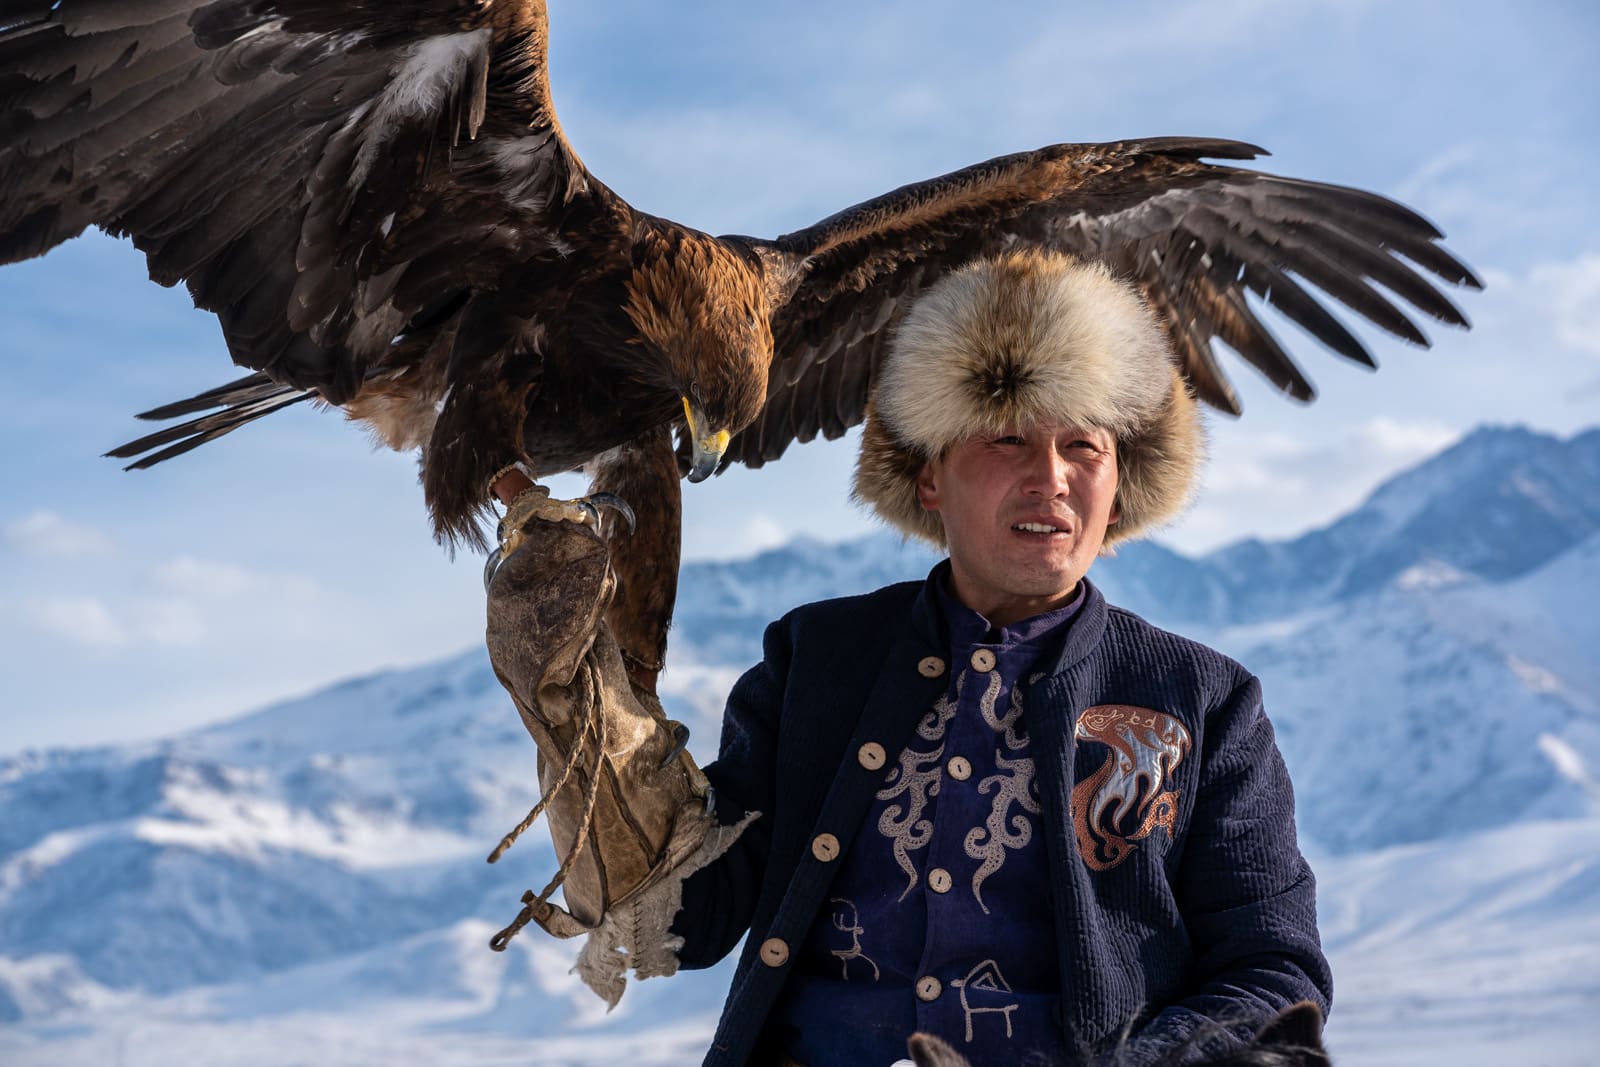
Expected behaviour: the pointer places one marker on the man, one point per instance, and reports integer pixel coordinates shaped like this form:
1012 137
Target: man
995 808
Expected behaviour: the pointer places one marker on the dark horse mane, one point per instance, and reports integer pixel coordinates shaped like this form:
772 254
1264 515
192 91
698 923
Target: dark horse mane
1292 1038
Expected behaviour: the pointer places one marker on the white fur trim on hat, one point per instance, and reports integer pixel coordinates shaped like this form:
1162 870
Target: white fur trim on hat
1028 338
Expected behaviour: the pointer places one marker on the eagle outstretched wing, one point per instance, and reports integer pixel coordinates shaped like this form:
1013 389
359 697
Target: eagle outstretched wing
1194 237
377 201
336 180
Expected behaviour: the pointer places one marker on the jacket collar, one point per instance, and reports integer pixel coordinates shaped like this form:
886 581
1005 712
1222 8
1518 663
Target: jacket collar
1083 631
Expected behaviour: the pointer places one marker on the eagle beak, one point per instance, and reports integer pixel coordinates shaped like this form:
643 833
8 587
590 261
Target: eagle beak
708 447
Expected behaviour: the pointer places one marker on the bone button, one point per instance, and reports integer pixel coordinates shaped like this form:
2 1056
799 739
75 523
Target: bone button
928 988
872 756
930 667
825 847
939 880
774 952
983 660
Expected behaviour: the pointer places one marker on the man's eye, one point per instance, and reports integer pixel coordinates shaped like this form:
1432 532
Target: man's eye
1009 439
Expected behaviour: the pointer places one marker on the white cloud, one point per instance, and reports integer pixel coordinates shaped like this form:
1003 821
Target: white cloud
199 601
189 576
1446 169
97 623
183 603
1449 185
1570 293
759 533
1278 485
1403 443
170 622
205 579
1262 464
45 533
1584 392
82 620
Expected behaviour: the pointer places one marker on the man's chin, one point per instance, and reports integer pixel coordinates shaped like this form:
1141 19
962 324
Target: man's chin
1049 562
1045 585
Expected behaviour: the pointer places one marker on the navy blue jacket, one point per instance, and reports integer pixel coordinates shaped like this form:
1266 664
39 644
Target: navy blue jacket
1211 916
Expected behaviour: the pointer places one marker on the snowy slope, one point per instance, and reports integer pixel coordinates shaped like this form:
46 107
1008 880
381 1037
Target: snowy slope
1419 711
306 884
1477 952
320 827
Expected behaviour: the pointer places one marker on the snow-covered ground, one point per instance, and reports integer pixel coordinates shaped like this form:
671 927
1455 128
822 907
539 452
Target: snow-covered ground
1477 952
1482 951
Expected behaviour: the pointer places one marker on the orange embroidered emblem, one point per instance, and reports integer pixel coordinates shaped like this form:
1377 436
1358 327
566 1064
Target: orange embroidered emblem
1146 748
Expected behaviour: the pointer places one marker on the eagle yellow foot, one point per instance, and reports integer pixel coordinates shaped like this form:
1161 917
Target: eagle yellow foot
535 502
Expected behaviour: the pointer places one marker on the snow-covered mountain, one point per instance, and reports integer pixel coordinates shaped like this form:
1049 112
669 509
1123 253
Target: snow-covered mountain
306 883
1502 503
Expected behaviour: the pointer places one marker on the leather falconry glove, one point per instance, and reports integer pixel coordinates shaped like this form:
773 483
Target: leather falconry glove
627 807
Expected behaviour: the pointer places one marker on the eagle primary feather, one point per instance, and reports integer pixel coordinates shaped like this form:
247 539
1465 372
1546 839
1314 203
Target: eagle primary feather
379 204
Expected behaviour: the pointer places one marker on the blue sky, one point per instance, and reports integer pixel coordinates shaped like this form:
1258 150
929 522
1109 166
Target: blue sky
292 554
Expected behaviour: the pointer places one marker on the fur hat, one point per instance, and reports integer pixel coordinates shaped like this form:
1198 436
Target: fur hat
1024 338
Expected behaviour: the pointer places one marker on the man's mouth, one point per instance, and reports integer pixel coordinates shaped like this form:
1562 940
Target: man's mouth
1036 527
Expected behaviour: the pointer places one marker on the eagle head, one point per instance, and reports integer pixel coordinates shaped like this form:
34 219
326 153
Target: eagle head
699 302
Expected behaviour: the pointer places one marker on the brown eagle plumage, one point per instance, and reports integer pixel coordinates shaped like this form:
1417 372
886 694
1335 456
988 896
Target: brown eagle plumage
377 201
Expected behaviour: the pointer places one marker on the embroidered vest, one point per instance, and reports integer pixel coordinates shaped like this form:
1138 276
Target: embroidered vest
940 918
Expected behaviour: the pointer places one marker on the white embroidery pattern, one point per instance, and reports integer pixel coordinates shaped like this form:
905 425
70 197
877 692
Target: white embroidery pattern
1014 786
847 921
916 777
985 978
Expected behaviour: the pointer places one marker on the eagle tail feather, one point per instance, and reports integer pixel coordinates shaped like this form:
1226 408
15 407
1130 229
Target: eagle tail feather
251 397
246 390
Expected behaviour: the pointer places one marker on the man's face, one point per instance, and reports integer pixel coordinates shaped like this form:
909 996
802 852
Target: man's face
1025 515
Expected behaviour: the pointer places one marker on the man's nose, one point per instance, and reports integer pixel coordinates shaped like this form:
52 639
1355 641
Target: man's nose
1047 471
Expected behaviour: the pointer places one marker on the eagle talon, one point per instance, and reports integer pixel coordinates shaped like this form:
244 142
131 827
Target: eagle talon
680 736
534 502
615 503
490 566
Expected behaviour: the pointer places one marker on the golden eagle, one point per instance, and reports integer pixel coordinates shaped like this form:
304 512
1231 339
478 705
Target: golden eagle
378 202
